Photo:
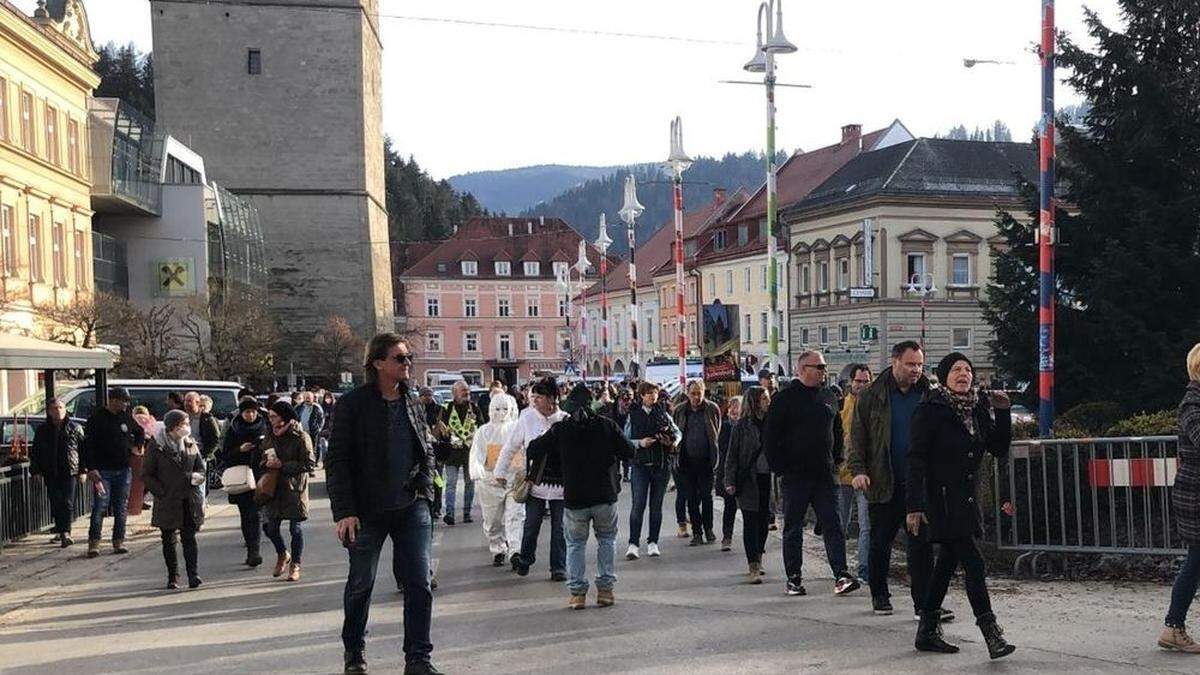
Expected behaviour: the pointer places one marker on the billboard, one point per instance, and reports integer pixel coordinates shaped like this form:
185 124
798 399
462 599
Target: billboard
721 342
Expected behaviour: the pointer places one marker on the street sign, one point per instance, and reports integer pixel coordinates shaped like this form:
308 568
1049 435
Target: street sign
868 333
862 293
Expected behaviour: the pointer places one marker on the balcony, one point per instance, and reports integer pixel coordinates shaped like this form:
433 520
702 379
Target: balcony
125 155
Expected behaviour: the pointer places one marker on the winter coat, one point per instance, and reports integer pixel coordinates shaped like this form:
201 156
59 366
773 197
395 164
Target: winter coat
496 432
294 449
356 463
870 450
55 450
802 434
239 432
639 424
712 428
316 418
588 448
108 440
741 464
722 451
943 463
210 435
1185 496
168 476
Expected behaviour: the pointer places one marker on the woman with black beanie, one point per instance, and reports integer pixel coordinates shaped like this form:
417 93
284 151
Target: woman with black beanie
953 427
245 434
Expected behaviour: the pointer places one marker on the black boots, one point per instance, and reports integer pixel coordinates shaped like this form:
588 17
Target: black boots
355 662
929 636
997 646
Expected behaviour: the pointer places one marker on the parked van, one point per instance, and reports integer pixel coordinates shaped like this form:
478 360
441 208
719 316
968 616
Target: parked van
80 397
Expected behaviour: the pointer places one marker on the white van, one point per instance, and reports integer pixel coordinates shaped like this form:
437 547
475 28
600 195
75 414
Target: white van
80 397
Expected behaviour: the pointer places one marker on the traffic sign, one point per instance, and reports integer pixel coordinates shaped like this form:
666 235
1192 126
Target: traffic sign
862 293
868 333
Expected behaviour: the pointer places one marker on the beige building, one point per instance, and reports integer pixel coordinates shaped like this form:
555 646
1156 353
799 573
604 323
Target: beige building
46 77
928 207
283 101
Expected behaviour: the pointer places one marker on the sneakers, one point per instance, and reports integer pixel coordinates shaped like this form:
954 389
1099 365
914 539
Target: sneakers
709 537
93 548
194 582
726 544
57 538
449 519
577 602
119 546
281 563
1176 638
632 553
683 532
755 573
605 598
794 588
294 572
652 550
172 584
66 541
356 662
881 605
846 584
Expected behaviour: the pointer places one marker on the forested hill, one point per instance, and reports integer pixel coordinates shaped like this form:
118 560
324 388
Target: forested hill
512 191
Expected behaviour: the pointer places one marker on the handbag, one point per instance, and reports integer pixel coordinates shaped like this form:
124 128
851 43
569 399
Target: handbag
522 490
265 490
238 480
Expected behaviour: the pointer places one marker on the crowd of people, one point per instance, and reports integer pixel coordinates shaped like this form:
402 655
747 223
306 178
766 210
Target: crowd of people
898 451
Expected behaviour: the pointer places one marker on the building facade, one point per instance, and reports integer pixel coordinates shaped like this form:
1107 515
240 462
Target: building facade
928 207
485 305
283 100
46 76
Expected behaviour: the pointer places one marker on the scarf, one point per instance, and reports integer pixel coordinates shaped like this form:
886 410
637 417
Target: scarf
964 405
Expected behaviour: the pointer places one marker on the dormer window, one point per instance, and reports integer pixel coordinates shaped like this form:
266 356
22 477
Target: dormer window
503 268
441 267
560 269
533 268
470 268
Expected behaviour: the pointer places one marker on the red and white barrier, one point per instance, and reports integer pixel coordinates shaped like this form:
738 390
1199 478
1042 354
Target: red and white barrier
1132 472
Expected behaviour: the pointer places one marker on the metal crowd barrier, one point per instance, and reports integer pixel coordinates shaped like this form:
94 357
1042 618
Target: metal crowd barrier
24 505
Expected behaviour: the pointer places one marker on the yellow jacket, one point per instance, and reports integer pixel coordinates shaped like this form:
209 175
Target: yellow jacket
847 413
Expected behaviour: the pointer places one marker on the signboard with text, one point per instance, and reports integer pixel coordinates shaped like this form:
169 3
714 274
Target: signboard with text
721 343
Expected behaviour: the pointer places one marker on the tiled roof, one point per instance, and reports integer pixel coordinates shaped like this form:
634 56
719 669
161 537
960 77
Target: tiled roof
543 240
697 224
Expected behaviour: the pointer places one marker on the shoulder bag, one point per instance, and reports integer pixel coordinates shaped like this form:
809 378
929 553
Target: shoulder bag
238 480
522 490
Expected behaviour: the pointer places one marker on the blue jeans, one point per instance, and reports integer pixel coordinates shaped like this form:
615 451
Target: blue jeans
798 493
116 491
1184 589
411 531
649 485
272 529
452 489
847 497
602 517
535 510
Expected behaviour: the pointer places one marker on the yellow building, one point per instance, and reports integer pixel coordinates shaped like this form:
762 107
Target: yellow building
46 77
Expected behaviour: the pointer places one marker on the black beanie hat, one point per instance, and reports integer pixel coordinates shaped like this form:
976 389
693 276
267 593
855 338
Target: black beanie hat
248 403
947 362
284 409
579 398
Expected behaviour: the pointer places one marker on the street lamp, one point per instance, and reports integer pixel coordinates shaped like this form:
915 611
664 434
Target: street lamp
602 243
764 62
562 280
678 162
922 283
629 213
581 266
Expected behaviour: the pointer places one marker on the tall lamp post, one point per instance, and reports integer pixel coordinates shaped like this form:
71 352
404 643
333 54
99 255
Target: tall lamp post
678 162
581 266
602 243
562 279
764 62
629 213
1046 231
922 283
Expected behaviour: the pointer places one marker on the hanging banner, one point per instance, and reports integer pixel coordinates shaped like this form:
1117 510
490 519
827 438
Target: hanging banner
721 343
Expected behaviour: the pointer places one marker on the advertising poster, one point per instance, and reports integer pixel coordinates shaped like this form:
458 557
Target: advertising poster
721 343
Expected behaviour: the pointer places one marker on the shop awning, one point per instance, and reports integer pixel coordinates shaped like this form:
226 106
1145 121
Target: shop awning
18 352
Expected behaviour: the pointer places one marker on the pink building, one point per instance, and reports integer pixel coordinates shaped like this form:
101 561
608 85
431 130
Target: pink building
485 303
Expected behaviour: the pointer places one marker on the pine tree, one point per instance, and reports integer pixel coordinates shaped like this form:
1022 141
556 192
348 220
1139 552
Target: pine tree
420 208
127 74
1129 250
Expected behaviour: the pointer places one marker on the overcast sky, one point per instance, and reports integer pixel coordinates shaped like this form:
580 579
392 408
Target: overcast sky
462 97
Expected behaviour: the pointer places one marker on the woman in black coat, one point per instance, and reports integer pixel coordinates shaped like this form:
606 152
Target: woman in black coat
748 477
733 412
951 430
1185 497
173 472
245 434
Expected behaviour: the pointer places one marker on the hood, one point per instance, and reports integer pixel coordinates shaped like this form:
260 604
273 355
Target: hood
502 408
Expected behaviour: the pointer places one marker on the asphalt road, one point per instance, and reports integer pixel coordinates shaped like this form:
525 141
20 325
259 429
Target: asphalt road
686 612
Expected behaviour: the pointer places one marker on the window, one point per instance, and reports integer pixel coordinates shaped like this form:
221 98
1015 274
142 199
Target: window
59 257
762 230
844 334
433 342
961 269
81 266
533 342
470 308
762 272
805 280
822 276
179 173
532 307
431 377
9 248
72 146
503 268
27 140
471 343
35 248
441 267
728 281
470 268
3 109
564 342
689 248
503 307
743 234
560 269
960 338
762 323
719 240
915 267
712 285
254 61
473 377
746 278
562 307
504 345
52 134
533 268
432 308
843 274
748 329
804 336
824 335
649 336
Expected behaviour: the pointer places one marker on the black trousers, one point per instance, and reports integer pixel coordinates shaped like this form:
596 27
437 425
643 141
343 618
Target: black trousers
949 556
755 524
61 492
251 531
187 533
680 497
728 516
887 520
699 495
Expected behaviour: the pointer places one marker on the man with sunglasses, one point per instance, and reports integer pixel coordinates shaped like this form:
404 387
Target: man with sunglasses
802 439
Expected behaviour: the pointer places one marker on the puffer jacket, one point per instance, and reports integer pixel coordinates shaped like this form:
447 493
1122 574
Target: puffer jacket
294 449
1185 496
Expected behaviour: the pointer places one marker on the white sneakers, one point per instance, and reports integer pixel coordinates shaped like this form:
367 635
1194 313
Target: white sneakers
632 553
652 550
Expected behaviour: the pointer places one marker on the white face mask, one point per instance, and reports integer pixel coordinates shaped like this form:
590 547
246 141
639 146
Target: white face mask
180 433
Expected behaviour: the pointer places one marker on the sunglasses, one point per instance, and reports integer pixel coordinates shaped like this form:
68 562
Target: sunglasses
819 366
403 358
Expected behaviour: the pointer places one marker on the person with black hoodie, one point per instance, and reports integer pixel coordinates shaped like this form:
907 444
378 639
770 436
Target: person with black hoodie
590 448
245 434
802 438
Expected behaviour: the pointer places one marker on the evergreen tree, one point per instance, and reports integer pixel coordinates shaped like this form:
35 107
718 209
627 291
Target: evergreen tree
420 208
1130 246
127 74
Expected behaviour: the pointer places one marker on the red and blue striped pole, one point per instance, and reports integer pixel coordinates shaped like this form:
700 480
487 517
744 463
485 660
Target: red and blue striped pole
1046 230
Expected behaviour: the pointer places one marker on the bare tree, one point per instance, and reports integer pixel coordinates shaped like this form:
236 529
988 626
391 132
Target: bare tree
233 338
336 347
85 319
149 341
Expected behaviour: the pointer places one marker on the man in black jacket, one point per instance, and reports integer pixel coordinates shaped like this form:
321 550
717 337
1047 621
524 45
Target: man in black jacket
108 441
55 456
379 474
802 438
590 448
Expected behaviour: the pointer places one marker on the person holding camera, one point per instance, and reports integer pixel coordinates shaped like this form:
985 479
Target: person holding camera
654 436
173 472
245 434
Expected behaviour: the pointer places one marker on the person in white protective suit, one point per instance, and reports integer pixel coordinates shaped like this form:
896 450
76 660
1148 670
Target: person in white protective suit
503 518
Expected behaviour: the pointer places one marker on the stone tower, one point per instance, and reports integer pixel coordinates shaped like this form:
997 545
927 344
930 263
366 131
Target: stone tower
283 100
